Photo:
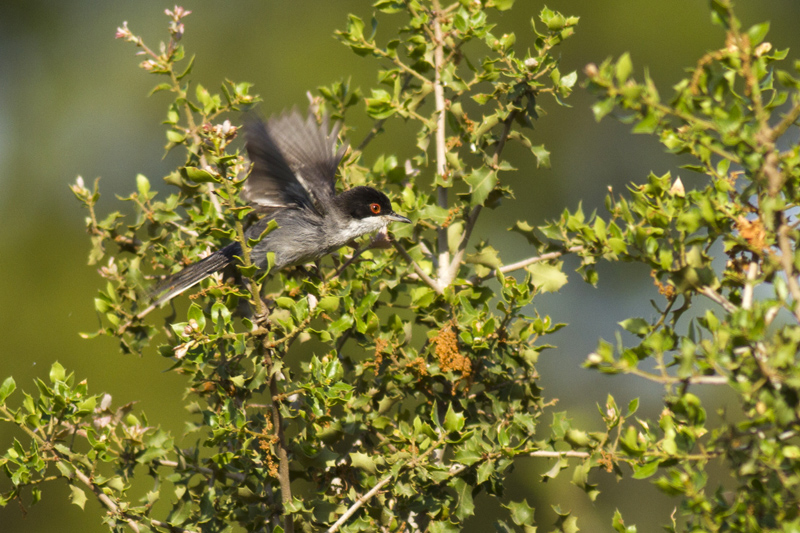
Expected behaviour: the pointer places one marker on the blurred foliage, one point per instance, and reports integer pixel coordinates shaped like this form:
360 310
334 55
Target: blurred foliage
425 392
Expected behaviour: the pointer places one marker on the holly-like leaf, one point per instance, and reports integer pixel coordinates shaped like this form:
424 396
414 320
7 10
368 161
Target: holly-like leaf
481 181
547 277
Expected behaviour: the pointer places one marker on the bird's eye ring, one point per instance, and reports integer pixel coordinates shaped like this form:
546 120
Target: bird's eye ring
375 208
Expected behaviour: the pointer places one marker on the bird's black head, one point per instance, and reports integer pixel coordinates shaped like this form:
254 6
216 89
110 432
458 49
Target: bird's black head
362 203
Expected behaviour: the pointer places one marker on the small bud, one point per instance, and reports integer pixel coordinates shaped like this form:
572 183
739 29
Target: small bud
101 421
591 70
762 49
409 168
148 64
531 63
105 402
312 302
191 327
180 350
123 32
677 188
594 358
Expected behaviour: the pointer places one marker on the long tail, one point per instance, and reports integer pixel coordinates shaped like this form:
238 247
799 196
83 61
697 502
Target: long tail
191 275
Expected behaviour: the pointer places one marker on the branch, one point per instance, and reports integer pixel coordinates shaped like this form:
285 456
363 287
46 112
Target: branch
473 216
462 246
525 262
669 380
747 293
710 293
789 119
547 453
114 509
358 503
432 283
438 92
787 261
378 486
284 476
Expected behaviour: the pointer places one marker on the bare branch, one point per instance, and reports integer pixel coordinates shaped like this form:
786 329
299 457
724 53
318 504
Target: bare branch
569 453
787 261
358 503
747 293
710 293
525 262
441 168
789 119
432 283
669 380
378 486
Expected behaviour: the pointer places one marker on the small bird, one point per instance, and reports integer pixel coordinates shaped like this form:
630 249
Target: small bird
293 182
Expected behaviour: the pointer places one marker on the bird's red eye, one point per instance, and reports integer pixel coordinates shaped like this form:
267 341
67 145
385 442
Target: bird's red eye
375 208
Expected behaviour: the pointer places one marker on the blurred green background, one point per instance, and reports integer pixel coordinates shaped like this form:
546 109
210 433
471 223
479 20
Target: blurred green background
73 102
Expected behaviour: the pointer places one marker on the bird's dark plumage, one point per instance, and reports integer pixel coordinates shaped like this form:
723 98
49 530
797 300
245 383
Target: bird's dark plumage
292 181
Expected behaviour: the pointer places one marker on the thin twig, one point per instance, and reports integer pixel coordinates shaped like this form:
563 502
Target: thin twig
284 477
239 478
548 453
462 246
358 503
669 380
525 262
378 486
710 293
432 283
476 211
789 119
441 162
787 261
747 293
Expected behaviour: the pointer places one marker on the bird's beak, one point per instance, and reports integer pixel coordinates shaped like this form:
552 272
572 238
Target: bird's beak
394 217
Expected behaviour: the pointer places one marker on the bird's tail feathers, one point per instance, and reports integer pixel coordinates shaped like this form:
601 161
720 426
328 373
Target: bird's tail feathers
190 276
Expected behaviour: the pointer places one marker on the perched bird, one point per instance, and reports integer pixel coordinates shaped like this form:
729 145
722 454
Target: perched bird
292 181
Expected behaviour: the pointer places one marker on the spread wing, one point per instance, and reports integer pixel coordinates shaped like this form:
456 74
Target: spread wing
294 163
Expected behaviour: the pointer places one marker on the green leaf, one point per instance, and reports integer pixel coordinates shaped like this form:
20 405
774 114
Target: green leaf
637 326
270 227
521 513
364 462
542 156
8 386
547 277
757 33
197 175
160 87
646 470
619 525
142 185
485 470
329 304
623 69
481 181
175 137
465 507
453 421
77 496
500 5
57 372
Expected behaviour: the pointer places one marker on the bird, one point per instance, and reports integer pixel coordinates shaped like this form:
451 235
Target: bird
293 182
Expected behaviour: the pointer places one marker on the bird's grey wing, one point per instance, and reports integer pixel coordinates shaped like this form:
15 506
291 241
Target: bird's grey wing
294 163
